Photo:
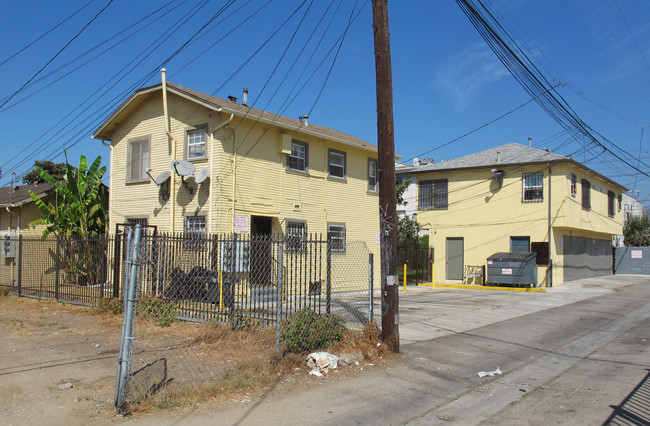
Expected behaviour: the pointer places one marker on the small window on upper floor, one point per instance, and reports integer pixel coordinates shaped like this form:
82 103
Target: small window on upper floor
574 183
620 201
372 175
336 162
196 146
586 194
433 194
299 157
533 186
610 203
138 159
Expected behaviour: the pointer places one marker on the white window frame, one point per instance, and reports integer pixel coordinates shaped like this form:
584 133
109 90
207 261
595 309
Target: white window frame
336 161
299 153
574 185
336 237
196 138
195 231
373 182
296 235
143 159
532 187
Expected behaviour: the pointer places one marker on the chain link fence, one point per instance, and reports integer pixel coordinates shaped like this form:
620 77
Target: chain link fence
207 311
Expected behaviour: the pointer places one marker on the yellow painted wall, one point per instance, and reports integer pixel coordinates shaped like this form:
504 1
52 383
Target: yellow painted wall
263 185
486 215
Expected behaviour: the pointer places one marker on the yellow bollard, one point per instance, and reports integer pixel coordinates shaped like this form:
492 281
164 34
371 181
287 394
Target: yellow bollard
405 267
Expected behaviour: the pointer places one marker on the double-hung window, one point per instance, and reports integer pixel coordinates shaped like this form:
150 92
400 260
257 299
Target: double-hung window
138 159
433 194
196 143
336 236
299 157
533 186
586 194
296 235
372 175
336 161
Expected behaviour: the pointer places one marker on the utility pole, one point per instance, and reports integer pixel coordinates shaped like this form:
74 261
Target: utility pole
386 174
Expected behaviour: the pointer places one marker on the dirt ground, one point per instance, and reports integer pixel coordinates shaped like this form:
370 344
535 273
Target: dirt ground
58 365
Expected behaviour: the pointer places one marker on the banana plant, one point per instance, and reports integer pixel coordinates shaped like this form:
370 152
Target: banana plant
79 208
78 213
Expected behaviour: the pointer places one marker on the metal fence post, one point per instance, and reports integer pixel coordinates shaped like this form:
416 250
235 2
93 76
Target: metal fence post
57 267
117 259
126 345
19 279
328 293
371 288
278 298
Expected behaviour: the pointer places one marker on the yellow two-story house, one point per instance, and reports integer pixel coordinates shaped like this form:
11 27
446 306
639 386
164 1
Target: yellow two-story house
188 162
514 198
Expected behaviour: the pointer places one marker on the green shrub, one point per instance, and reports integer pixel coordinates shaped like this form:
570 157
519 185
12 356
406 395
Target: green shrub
4 291
306 331
163 312
113 306
240 319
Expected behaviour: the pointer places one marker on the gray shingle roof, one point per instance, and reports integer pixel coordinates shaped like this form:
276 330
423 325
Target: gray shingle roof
209 101
19 194
512 154
505 155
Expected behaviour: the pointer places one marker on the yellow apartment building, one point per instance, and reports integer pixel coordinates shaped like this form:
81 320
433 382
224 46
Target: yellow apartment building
514 198
188 162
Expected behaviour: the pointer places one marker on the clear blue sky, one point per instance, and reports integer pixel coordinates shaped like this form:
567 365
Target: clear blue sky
446 81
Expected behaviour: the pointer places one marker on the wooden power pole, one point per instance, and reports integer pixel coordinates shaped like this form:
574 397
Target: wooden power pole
386 174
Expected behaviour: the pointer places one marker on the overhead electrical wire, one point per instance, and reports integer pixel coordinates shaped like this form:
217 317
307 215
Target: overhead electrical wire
56 55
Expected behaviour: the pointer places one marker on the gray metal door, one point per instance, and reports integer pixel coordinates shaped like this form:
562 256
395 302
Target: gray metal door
586 257
455 261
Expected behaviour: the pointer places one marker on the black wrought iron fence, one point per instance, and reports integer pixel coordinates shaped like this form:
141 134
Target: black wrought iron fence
418 259
209 277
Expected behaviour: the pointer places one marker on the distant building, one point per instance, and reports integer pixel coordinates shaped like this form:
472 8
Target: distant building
512 198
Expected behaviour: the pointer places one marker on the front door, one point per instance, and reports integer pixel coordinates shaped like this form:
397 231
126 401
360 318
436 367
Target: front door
455 260
261 250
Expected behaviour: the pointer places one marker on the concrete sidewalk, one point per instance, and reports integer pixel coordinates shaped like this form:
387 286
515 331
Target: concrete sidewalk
427 313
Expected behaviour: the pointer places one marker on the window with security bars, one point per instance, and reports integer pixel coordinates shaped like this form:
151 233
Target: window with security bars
336 160
296 235
433 194
299 157
336 237
372 175
138 160
195 230
610 203
586 194
196 144
533 186
573 185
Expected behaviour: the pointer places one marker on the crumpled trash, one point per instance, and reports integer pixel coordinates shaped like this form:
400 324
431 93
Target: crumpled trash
321 362
490 373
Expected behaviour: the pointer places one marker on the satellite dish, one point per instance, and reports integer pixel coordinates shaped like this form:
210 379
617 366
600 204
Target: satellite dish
183 168
162 178
202 175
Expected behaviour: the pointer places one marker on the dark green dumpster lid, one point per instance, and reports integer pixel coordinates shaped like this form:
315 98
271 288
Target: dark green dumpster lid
512 256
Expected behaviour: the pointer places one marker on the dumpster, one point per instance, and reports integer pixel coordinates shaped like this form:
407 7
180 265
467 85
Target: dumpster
512 268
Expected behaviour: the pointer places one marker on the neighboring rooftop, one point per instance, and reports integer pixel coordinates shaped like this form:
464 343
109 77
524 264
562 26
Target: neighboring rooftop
512 154
104 132
18 195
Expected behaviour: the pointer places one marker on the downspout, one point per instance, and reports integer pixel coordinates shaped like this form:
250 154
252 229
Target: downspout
17 219
549 268
234 179
171 149
212 131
